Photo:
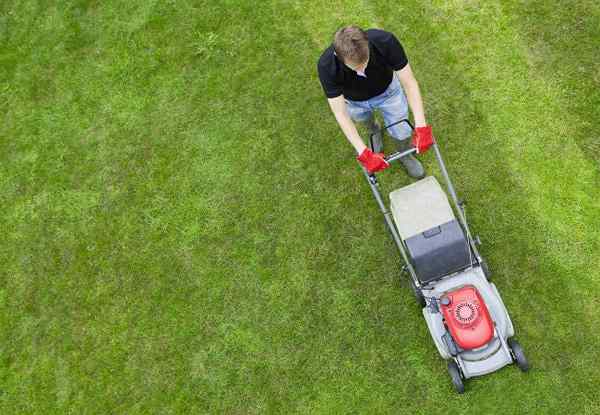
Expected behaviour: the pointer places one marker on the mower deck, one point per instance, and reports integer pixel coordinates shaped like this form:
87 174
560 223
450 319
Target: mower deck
483 360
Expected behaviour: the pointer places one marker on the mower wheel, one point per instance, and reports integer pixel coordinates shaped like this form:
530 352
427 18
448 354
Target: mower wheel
518 355
455 376
418 294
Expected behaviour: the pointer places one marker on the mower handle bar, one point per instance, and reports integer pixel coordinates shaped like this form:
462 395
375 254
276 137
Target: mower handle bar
399 155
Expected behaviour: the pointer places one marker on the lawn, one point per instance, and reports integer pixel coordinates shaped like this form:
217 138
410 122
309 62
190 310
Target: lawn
185 229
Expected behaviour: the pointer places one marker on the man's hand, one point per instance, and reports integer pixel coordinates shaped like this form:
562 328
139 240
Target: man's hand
373 162
422 139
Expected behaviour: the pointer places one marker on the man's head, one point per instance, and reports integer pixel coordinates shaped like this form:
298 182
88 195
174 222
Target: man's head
351 45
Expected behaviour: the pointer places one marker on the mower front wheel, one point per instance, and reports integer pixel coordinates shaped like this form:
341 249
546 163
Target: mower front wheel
518 355
454 373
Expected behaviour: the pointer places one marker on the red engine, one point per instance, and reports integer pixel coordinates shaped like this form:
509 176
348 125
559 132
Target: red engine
467 317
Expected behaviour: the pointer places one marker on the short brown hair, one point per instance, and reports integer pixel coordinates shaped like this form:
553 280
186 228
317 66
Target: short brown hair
351 44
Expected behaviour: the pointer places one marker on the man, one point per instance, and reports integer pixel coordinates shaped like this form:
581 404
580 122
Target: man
364 71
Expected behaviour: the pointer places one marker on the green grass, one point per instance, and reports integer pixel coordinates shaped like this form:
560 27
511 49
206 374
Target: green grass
184 228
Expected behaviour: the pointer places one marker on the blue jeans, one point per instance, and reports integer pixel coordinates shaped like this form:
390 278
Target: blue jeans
393 106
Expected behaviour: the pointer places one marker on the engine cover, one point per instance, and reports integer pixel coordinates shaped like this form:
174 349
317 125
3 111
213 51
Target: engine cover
467 317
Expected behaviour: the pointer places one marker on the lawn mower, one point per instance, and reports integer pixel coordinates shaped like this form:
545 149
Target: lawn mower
465 315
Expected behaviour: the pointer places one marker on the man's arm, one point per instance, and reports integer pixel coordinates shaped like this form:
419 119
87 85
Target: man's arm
422 138
413 94
338 107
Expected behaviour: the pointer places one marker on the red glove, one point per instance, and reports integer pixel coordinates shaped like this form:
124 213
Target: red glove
422 139
373 162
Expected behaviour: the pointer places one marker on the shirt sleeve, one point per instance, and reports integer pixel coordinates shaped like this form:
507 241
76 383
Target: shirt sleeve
331 88
394 52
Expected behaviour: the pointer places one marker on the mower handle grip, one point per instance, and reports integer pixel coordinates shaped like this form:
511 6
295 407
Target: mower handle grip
398 155
392 157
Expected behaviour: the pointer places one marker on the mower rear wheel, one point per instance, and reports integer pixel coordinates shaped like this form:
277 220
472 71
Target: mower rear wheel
454 372
518 355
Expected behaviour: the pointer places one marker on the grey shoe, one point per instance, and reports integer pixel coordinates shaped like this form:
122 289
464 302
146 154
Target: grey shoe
376 136
413 167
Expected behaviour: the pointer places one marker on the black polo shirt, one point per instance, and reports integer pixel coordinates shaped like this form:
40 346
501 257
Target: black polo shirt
386 55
